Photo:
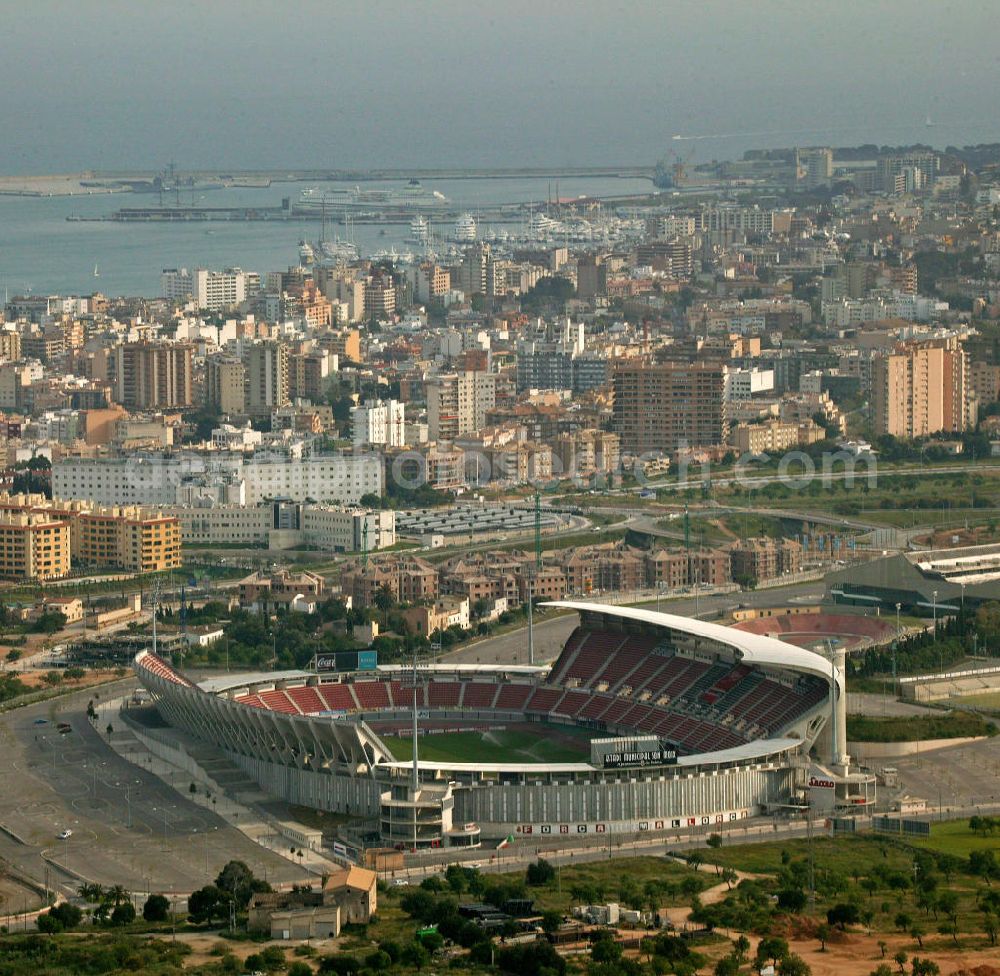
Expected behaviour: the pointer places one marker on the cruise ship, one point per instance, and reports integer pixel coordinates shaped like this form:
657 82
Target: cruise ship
413 197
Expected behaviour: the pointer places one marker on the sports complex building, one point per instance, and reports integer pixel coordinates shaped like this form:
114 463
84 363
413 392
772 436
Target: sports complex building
645 722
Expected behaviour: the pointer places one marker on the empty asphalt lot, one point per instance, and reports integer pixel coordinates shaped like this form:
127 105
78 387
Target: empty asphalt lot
127 826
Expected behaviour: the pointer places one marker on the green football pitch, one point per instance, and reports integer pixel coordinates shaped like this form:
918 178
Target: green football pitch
532 744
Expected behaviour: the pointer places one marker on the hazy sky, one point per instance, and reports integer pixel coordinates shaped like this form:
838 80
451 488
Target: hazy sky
224 83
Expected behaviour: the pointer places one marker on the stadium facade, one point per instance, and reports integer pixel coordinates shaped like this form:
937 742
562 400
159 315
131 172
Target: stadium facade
690 724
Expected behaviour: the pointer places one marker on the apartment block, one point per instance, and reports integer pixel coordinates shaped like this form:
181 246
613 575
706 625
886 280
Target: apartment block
457 403
131 538
267 377
33 546
153 375
773 436
665 407
225 384
764 558
379 422
922 388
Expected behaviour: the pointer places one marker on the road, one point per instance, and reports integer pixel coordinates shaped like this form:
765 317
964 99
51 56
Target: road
128 827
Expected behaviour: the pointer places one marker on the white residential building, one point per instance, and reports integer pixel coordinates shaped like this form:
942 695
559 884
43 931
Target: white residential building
284 526
742 384
215 290
457 403
162 479
230 438
379 422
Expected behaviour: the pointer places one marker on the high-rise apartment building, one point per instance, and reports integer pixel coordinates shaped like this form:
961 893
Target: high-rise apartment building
380 296
480 273
379 422
663 408
225 384
211 290
267 377
430 281
153 375
922 388
906 172
814 166
309 374
176 284
457 403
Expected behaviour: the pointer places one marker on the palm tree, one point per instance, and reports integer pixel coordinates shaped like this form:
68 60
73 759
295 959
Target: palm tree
118 894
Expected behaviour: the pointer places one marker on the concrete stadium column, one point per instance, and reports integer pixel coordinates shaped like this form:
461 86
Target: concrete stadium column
840 746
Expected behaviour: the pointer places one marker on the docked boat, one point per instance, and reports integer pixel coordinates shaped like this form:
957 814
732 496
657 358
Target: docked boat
420 230
465 229
413 197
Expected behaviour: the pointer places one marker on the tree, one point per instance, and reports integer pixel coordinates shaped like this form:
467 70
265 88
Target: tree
882 969
68 916
384 600
727 966
791 899
156 909
740 948
903 921
730 876
207 903
984 865
823 934
117 894
605 949
925 967
299 968
123 914
48 924
793 965
917 932
773 948
900 959
415 955
991 927
947 903
237 881
551 921
882 946
540 873
842 915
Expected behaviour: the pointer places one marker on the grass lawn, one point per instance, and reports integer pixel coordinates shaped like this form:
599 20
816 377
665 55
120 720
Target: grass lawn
910 728
614 878
988 699
845 855
955 837
508 745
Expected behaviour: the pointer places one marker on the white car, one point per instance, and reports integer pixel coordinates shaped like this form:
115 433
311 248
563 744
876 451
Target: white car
400 882
66 834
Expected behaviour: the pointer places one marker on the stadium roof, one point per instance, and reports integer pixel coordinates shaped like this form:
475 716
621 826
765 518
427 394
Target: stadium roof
752 648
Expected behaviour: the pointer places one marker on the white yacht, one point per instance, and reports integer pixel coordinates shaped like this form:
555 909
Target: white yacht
465 229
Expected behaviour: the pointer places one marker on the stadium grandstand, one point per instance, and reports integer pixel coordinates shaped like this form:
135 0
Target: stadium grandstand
646 721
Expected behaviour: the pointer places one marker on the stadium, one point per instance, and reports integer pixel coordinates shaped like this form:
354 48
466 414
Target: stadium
818 631
646 721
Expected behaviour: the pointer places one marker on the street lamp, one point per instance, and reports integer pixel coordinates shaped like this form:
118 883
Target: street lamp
934 595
